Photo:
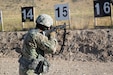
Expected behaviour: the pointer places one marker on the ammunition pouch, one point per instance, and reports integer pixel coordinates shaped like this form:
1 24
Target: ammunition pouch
33 64
43 66
46 66
29 64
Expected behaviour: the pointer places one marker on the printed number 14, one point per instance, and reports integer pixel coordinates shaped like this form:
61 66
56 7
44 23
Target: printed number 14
27 15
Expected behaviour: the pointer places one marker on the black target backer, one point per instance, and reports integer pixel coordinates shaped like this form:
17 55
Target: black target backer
27 14
102 8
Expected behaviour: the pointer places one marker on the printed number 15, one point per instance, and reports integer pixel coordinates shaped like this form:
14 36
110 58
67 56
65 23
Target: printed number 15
64 12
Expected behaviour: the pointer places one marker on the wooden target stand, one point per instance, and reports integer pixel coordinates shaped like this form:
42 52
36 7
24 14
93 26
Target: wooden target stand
1 20
96 24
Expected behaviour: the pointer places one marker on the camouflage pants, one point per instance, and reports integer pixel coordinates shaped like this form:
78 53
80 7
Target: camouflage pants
25 71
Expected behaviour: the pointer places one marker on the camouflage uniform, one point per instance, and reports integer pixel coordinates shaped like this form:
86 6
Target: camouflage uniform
34 46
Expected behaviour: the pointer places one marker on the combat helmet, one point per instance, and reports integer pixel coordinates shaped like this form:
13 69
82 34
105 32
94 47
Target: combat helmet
44 19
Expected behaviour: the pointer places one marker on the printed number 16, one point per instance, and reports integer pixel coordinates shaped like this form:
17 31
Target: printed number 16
106 8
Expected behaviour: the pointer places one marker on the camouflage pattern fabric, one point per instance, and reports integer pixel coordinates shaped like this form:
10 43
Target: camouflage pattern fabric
45 20
33 42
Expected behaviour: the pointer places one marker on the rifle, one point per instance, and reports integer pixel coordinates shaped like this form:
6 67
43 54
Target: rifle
47 32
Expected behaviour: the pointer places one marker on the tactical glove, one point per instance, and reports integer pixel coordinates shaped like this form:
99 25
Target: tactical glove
52 35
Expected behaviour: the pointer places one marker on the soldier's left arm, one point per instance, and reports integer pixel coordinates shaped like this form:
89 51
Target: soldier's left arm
49 45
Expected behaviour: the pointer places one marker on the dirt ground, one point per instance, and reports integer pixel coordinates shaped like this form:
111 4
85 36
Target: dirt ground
86 52
9 66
